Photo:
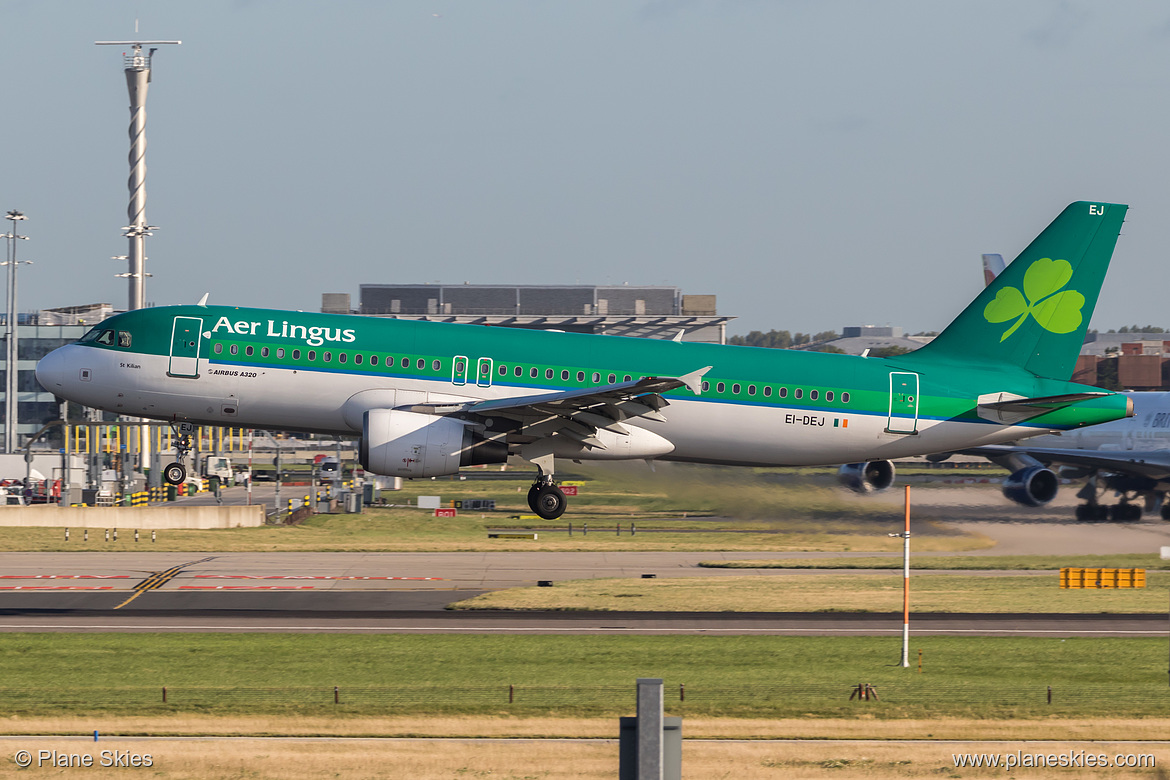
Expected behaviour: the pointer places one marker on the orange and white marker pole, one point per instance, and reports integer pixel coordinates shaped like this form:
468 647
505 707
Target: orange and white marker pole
906 585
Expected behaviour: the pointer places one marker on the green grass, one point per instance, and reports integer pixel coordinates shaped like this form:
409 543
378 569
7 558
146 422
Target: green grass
830 593
748 676
957 562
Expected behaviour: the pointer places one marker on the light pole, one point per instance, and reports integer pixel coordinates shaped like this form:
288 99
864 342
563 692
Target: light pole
11 408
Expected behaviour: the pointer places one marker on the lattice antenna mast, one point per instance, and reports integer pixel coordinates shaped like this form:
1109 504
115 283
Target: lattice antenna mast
137 69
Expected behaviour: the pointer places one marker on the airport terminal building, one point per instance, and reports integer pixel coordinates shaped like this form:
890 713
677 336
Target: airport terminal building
38 334
619 310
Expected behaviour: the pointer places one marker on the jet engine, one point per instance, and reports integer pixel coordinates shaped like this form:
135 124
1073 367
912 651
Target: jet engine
1032 486
870 477
408 444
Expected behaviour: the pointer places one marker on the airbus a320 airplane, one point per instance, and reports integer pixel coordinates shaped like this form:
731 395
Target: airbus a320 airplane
427 398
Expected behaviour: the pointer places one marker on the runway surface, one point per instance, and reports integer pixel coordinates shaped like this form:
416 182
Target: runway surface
368 613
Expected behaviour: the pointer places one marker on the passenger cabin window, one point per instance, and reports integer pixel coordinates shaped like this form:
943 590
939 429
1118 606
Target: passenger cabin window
263 351
342 357
519 371
248 350
435 365
844 398
327 356
565 376
296 354
503 370
234 349
580 376
797 393
421 364
767 391
218 349
548 373
719 387
312 354
706 386
783 392
612 378
373 359
813 394
534 373
751 389
280 352
829 396
735 388
596 377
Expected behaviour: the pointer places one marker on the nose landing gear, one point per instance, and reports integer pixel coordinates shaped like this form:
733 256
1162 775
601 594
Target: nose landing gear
176 473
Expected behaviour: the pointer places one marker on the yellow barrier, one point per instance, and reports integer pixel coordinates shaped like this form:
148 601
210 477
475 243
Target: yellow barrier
1077 579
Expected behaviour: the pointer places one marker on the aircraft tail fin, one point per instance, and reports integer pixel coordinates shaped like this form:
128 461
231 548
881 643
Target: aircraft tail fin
992 267
1034 315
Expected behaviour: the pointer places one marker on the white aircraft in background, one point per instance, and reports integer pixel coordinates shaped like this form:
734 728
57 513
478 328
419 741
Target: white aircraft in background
1130 458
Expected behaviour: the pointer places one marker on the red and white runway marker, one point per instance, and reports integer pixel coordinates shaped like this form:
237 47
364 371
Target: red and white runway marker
303 577
246 587
56 587
64 576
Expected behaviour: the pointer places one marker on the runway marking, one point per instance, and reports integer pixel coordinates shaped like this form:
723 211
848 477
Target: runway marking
246 587
302 577
64 576
160 578
56 587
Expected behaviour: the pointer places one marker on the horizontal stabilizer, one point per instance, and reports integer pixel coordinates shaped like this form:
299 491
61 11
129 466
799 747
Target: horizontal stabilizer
1009 408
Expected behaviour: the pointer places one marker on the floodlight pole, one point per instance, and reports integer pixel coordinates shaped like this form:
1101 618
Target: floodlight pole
11 386
137 69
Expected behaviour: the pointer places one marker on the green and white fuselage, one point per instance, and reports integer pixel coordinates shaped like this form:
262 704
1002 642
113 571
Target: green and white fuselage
756 406
993 376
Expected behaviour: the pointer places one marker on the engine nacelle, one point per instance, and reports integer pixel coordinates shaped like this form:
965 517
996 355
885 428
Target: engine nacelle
408 444
1032 486
871 477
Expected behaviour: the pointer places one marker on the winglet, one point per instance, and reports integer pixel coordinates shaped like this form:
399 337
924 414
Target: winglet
203 300
694 380
678 336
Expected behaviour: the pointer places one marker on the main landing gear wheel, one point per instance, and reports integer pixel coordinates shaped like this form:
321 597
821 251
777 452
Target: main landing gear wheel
547 501
175 473
1092 512
1125 513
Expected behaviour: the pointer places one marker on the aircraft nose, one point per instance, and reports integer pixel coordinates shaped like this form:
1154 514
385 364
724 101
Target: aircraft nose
51 370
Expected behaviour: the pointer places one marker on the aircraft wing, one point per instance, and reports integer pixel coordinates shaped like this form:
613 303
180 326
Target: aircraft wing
1154 464
580 413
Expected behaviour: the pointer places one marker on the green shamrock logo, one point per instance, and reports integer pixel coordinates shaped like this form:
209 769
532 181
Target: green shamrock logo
1055 309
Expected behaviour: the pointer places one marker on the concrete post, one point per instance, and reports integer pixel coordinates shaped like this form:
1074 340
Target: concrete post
650 710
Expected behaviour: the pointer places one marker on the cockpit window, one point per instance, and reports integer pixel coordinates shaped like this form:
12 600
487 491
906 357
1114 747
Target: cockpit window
106 337
90 336
123 338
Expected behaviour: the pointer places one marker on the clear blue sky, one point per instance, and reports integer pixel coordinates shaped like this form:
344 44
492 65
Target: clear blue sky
814 163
